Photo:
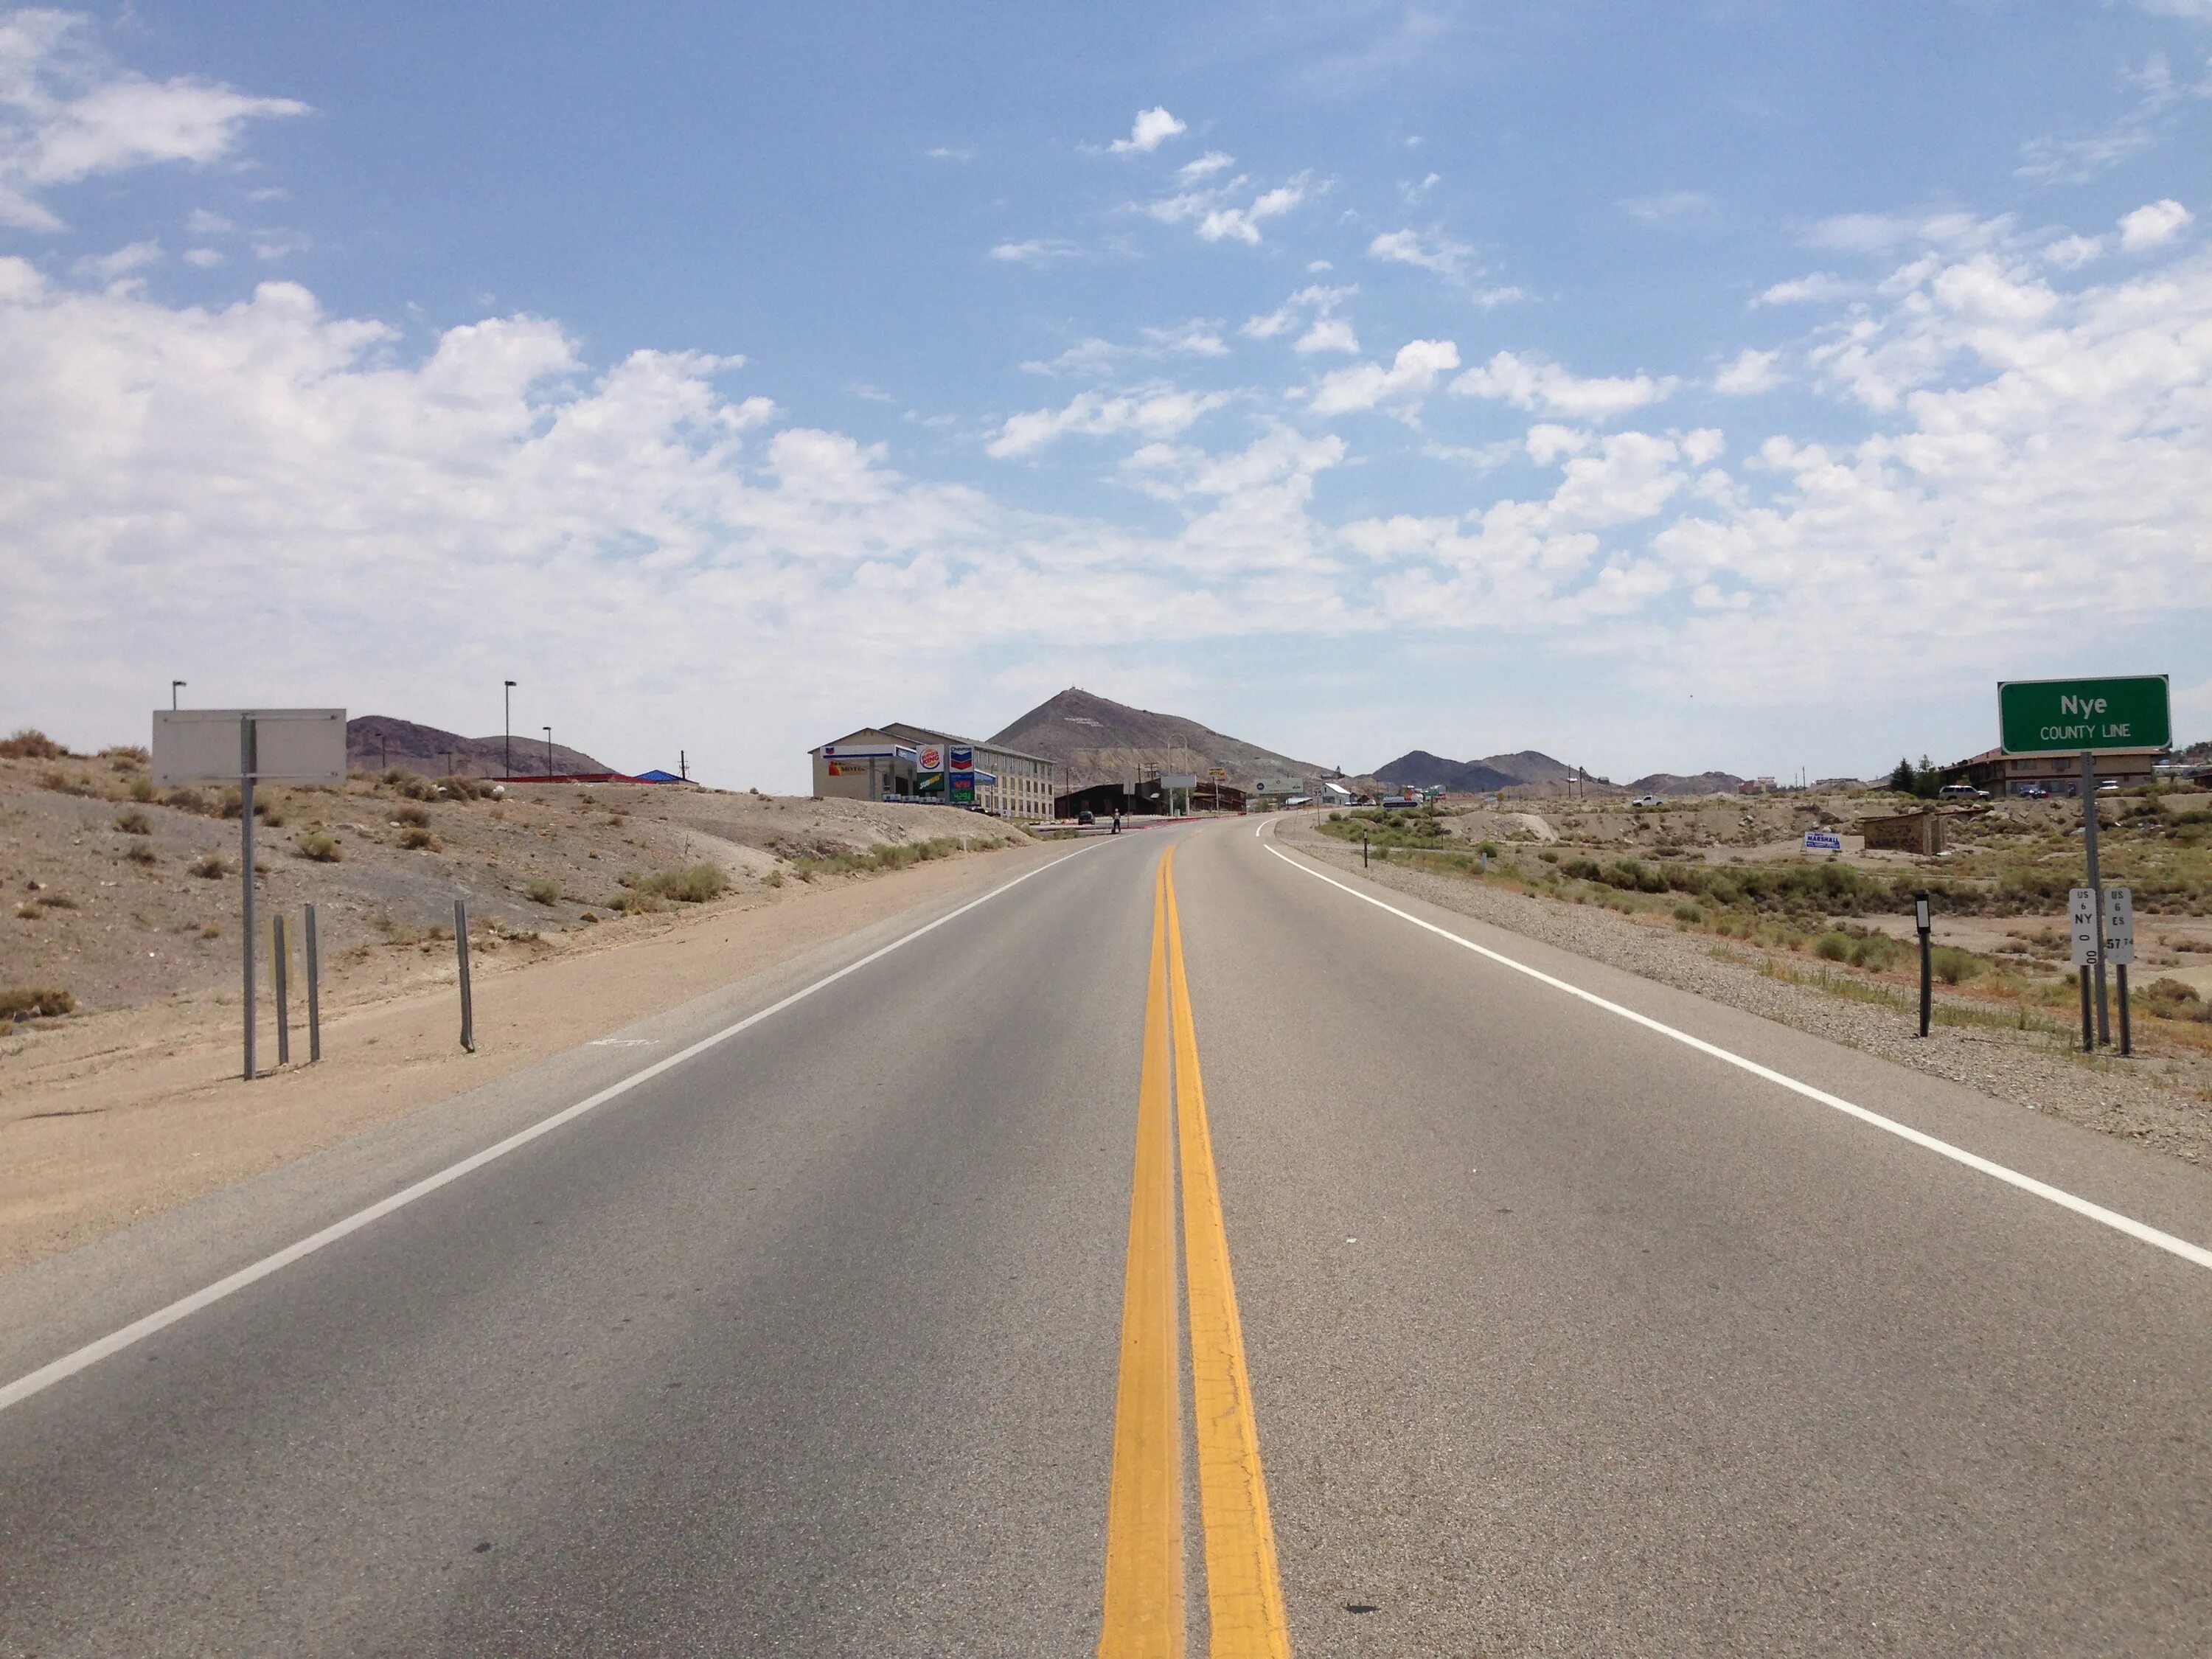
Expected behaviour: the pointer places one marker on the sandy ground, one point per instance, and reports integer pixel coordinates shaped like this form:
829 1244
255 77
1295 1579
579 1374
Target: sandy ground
108 1119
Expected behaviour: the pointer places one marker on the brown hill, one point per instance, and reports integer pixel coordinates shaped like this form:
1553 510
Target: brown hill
1675 783
1098 740
376 742
1523 769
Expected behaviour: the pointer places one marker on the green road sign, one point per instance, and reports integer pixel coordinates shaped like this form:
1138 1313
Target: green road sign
2041 717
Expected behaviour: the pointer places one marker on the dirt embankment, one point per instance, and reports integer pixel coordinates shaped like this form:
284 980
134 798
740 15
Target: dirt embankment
591 908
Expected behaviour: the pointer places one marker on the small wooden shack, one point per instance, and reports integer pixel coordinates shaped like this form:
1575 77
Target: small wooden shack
1919 832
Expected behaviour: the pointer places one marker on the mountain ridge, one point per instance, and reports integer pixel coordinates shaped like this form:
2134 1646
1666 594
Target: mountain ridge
374 742
1098 740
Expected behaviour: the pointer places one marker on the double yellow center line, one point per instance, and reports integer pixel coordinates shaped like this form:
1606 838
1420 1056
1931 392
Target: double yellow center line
1145 1616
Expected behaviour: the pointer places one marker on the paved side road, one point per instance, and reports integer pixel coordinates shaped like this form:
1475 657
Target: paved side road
1563 1336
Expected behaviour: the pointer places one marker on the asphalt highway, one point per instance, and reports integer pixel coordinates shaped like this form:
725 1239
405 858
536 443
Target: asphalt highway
1152 1254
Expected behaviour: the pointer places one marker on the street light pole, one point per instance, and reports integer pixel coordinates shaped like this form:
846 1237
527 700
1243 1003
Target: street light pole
174 684
508 696
548 750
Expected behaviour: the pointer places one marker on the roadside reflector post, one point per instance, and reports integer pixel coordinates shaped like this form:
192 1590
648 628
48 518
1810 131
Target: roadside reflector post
1363 849
314 989
2120 950
461 945
279 961
1920 920
247 766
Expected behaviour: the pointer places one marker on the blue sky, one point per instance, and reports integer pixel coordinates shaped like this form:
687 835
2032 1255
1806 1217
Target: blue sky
1665 387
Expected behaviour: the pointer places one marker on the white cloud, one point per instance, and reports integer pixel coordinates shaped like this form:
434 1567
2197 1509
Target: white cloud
1532 383
1093 355
1672 207
1217 215
1191 339
2149 226
1206 167
1152 412
1430 250
1752 371
2071 252
109 267
66 115
1949 229
2054 161
1328 334
1041 251
203 259
1308 303
1821 287
1412 374
950 153
1152 128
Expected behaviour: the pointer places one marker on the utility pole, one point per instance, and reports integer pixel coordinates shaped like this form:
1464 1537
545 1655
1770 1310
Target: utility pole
174 684
549 750
509 727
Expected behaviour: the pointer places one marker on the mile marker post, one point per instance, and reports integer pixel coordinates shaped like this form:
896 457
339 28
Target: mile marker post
2096 886
245 769
280 959
1926 968
461 944
315 990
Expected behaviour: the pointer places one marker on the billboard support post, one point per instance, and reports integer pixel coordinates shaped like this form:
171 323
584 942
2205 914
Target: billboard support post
2096 885
314 989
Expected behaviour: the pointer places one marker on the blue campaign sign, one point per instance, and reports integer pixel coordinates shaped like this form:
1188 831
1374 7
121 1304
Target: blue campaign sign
1823 841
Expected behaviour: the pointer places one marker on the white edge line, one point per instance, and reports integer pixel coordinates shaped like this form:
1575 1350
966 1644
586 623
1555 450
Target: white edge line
2112 1218
93 1353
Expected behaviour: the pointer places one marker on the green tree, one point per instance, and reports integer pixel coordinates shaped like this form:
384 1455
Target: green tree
1902 779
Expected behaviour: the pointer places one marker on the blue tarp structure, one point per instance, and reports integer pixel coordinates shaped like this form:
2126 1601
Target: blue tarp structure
657 775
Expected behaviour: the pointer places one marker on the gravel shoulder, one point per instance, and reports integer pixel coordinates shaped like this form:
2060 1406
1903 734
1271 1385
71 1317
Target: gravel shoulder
2160 1103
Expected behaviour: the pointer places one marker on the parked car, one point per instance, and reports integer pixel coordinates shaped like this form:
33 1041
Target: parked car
1645 800
2034 791
1961 792
2108 788
1086 817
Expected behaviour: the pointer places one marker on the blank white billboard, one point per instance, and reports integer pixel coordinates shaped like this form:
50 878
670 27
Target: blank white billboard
290 746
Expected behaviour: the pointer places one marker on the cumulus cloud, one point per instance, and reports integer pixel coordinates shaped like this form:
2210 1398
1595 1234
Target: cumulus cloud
1218 213
1752 371
1672 207
1820 288
1533 383
1411 376
1153 412
109 267
1427 250
1328 334
1152 128
2149 226
1308 305
67 115
1206 167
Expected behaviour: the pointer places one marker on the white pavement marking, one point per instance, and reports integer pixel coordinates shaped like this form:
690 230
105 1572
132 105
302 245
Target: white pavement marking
69 1364
2096 1213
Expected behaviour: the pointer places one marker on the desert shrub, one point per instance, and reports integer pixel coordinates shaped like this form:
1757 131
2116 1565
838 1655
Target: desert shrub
412 815
693 886
1876 951
632 901
1832 947
134 823
1548 856
1689 915
139 853
418 788
2171 999
30 743
187 800
209 866
55 902
544 890
1954 966
126 756
417 840
322 848
1584 869
18 1005
141 790
62 784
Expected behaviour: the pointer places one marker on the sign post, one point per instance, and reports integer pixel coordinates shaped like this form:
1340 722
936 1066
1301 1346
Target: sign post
2120 948
2050 717
299 745
2081 923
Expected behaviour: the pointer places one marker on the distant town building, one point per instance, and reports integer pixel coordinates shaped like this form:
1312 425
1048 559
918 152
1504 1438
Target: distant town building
1904 832
2001 773
899 762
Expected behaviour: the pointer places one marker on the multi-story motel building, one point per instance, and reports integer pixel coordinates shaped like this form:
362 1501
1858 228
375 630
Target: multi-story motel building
898 761
2001 773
